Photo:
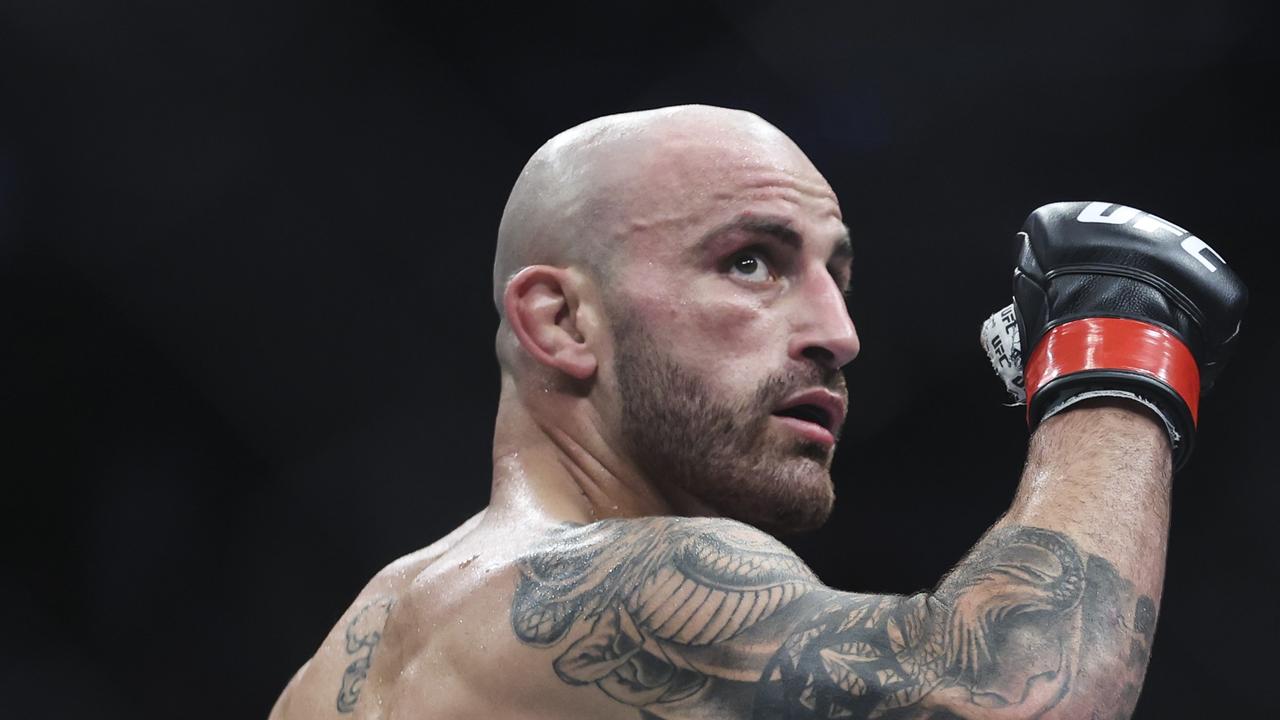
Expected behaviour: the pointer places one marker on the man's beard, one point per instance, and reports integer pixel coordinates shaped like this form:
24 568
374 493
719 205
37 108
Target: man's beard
681 433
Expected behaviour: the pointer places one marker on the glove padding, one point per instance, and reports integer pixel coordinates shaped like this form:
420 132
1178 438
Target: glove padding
1116 302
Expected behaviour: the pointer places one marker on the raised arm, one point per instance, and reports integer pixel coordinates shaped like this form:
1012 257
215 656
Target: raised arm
1050 615
1099 477
1052 612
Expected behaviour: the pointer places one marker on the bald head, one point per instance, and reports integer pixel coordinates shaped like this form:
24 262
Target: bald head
578 197
667 279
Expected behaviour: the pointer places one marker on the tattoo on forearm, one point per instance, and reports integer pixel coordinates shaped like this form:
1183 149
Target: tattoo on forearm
669 611
1110 603
364 632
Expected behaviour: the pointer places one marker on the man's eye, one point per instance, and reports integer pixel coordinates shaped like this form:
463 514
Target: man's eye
750 266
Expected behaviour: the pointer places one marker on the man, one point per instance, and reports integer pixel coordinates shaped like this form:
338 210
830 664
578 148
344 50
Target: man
671 340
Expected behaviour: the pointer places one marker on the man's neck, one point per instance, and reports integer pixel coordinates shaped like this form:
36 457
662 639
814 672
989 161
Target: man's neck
554 462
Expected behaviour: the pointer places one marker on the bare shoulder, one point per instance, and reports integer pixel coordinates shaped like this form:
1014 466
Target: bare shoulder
658 611
647 560
331 682
439 631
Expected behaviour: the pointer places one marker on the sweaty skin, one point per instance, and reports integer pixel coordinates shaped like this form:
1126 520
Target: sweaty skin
672 331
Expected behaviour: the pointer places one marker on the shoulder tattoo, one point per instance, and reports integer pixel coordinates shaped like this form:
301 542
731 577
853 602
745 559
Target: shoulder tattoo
364 632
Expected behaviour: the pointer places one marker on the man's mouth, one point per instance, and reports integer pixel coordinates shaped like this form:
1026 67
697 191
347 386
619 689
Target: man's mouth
808 413
815 414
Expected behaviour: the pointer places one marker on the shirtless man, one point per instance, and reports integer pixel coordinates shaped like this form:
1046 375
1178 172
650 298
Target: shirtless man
673 328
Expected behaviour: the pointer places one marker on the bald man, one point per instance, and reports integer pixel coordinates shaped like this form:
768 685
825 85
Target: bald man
673 327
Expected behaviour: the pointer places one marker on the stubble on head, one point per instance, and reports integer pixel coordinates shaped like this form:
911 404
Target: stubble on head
684 433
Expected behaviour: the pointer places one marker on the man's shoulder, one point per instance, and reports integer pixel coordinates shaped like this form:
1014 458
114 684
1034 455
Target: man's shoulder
332 680
663 569
465 610
404 568
646 535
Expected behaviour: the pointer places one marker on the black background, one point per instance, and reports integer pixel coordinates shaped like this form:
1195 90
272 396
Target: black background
247 335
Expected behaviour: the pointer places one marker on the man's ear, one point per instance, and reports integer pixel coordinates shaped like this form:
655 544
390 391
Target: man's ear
541 306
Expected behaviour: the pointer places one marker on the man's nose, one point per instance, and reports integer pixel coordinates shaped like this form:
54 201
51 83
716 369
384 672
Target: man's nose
824 332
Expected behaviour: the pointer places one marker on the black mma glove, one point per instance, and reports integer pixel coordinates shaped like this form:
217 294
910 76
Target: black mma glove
1109 301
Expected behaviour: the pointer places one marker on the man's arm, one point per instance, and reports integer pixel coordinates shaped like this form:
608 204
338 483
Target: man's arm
1101 475
1050 615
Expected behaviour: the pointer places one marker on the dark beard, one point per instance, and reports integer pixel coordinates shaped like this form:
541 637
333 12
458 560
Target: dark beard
681 434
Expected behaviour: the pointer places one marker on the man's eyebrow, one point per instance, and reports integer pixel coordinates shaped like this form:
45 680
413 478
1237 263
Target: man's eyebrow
780 230
777 229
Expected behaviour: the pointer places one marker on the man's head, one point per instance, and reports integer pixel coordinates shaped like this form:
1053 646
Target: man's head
679 272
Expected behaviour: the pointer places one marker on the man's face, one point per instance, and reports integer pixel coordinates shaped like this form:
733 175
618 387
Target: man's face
729 327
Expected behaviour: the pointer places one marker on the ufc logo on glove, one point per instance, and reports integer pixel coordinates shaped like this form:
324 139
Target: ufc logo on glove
1111 214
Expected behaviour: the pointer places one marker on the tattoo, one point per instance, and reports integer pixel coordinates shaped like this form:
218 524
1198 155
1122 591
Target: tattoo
1103 597
653 593
364 632
670 611
1000 631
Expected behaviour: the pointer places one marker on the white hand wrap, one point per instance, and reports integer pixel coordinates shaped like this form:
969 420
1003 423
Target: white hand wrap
1004 349
1003 345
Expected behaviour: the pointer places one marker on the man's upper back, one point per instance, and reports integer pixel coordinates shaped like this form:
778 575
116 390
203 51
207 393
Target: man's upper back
430 636
536 623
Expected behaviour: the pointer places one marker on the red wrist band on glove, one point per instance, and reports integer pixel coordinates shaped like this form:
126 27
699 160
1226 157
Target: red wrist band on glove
1115 344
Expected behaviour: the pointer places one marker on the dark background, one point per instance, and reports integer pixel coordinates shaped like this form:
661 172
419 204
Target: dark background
246 348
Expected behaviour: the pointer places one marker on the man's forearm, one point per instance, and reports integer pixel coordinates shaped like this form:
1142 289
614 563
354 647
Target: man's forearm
1101 473
1095 490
